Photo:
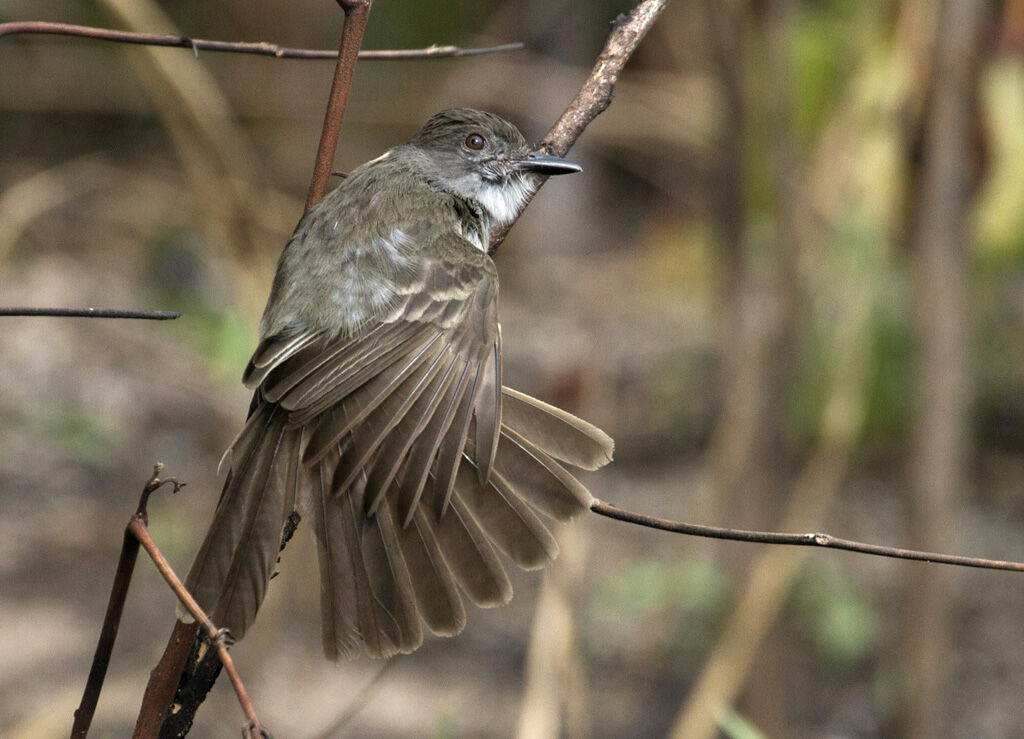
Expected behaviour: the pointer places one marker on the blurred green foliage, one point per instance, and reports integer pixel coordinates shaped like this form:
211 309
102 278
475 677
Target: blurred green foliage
673 606
189 282
82 432
735 726
225 338
445 726
827 39
836 615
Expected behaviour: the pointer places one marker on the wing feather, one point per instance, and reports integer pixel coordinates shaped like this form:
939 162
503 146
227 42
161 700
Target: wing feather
469 553
488 412
539 479
392 453
424 451
229 575
374 429
557 433
339 620
353 409
449 454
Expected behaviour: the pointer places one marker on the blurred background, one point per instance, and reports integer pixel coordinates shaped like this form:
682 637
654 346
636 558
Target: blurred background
790 283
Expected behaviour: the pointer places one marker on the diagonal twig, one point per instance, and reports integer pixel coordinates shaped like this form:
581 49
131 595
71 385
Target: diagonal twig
628 30
260 48
219 638
359 700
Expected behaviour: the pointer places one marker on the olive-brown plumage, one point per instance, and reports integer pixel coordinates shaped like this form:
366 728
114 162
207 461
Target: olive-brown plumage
379 415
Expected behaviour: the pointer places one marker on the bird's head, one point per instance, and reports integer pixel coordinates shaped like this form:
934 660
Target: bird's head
484 158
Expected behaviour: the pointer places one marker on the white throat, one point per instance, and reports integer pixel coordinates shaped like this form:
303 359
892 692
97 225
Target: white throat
503 201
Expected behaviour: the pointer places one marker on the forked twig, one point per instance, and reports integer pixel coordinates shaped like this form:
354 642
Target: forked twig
137 534
219 638
115 606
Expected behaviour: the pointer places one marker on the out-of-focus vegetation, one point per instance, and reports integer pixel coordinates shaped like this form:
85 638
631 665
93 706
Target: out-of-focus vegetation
732 289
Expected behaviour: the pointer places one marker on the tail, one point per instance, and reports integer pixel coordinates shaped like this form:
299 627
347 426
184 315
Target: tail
384 572
391 560
230 574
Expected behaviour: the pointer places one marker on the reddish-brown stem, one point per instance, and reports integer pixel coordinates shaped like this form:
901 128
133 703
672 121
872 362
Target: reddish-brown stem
216 636
164 679
260 48
800 540
115 606
356 13
108 635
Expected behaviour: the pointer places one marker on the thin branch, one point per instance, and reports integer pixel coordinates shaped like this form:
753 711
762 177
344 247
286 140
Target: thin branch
149 315
356 14
115 607
596 95
260 48
801 540
357 702
219 637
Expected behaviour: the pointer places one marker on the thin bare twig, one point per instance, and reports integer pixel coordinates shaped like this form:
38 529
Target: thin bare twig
628 30
150 315
359 700
218 637
115 606
801 540
356 14
260 48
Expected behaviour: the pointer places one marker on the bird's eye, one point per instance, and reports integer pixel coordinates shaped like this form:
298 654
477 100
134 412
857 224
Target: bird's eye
475 142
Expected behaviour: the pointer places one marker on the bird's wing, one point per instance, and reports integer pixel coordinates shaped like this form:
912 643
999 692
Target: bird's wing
435 352
405 464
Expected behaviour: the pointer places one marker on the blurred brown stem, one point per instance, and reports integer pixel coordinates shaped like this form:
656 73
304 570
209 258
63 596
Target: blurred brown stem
941 415
260 48
550 692
356 14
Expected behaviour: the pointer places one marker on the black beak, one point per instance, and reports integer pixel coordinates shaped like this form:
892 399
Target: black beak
546 164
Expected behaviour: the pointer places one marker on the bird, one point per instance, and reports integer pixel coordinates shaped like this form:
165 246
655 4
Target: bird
378 413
